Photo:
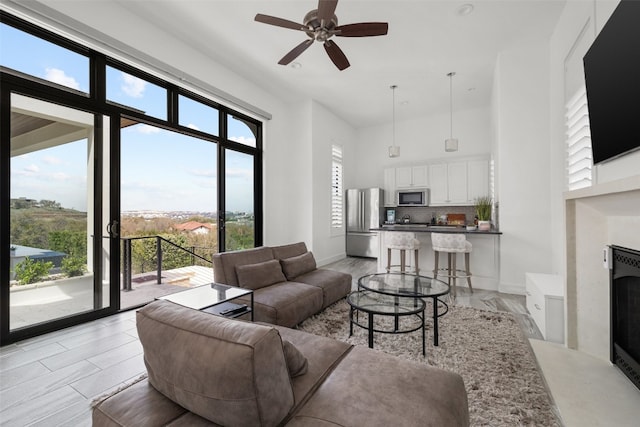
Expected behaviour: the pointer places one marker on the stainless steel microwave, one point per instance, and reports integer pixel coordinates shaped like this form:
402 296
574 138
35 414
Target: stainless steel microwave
413 197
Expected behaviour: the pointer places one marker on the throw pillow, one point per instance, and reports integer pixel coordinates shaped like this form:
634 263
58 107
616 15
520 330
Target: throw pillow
296 362
298 265
256 276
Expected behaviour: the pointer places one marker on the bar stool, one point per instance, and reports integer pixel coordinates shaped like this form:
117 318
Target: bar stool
403 242
452 245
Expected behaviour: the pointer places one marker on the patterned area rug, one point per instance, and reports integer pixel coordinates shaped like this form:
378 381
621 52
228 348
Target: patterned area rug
488 349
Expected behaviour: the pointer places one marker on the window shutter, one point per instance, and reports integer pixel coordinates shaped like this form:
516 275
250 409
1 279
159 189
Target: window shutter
579 157
336 187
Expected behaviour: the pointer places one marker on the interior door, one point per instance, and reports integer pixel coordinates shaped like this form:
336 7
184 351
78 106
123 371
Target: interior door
59 203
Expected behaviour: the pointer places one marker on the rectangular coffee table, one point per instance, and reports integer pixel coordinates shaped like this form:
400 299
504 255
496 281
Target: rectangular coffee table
213 298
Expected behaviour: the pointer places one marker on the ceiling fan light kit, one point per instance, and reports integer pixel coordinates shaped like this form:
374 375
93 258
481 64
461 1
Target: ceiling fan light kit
320 25
394 150
451 143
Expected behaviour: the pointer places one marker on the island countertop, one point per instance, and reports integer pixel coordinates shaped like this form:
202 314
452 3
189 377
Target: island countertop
428 228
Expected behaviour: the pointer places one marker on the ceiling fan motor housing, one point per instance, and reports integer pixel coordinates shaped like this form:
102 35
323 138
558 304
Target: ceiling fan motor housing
315 29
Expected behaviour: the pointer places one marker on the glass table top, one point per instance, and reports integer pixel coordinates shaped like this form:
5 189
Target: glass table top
378 303
408 285
206 295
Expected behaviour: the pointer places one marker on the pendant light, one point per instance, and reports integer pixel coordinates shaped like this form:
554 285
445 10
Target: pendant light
394 150
451 144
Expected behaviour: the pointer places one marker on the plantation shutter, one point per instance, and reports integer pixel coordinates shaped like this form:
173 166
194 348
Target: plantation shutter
579 157
336 187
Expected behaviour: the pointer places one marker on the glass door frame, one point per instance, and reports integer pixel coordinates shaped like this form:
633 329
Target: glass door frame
9 86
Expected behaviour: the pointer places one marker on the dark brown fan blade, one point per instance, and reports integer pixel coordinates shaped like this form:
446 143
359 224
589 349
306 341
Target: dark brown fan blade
279 22
295 52
337 56
363 29
326 9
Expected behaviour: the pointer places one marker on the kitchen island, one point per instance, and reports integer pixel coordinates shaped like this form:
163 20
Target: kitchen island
484 258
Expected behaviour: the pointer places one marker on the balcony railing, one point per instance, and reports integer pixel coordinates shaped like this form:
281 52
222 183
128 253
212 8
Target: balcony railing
139 256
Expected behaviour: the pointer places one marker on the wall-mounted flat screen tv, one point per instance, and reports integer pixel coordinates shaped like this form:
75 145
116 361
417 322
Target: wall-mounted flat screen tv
612 75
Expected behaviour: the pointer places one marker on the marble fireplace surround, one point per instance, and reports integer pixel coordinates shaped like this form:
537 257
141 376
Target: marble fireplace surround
597 216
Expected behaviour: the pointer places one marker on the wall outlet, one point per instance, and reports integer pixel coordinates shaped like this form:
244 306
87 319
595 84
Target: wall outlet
606 258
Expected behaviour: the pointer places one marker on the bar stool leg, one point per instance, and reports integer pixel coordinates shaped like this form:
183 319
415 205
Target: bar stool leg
453 272
466 263
435 268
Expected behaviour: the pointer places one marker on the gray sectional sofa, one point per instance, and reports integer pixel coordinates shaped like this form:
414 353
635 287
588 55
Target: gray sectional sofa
207 370
287 286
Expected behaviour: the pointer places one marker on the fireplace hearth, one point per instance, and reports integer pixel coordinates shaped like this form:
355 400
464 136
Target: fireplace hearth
625 312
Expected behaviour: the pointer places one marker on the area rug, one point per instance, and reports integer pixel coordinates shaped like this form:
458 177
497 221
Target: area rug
488 349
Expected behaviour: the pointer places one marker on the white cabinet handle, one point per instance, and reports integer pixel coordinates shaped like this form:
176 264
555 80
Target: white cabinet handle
537 306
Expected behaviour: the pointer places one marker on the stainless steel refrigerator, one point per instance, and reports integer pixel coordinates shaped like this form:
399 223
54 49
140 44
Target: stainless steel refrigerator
364 212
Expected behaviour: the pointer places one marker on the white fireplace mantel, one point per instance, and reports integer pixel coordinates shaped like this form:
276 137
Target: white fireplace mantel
598 216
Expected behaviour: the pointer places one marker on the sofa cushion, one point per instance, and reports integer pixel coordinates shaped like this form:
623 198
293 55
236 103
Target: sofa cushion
285 304
288 251
297 265
407 393
228 371
334 284
259 275
322 354
296 362
224 263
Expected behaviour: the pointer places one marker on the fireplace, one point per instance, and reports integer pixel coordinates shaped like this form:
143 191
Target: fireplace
625 312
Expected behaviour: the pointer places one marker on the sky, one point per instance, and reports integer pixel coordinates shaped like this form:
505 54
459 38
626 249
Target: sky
160 169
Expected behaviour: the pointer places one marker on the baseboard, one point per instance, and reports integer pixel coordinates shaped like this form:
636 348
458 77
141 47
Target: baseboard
327 261
511 289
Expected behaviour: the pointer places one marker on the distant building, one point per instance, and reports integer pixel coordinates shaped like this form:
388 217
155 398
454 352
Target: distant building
194 227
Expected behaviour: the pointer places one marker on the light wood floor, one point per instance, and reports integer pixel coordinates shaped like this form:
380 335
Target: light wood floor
52 379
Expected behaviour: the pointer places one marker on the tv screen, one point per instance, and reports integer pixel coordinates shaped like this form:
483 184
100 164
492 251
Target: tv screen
612 76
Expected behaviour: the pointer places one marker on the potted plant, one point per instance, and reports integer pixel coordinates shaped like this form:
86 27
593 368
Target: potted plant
483 207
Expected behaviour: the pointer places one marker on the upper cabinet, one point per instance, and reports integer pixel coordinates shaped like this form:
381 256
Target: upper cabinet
390 187
412 176
478 179
458 183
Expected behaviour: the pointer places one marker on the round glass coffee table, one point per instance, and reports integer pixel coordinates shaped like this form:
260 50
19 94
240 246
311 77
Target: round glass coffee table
373 303
409 285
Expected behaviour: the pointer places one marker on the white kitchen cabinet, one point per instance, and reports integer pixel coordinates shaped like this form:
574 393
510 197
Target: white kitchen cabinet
448 183
458 183
412 176
545 302
438 187
390 187
477 179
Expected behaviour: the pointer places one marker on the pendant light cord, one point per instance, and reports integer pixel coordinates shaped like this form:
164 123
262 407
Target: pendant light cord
451 103
393 88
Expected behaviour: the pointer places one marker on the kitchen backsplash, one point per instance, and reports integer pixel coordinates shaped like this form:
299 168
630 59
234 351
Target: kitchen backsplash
424 214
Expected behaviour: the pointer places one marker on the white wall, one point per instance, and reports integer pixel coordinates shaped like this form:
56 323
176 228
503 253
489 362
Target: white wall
288 203
522 144
420 140
328 129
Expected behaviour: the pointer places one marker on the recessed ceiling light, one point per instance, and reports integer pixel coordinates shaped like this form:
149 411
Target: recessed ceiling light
465 9
296 65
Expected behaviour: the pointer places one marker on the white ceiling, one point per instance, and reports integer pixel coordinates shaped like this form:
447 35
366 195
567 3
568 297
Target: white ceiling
426 40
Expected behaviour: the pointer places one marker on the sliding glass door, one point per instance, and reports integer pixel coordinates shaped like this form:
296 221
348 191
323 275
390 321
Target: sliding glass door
59 257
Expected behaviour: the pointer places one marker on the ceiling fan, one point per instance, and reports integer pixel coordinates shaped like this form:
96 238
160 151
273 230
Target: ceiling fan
320 25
